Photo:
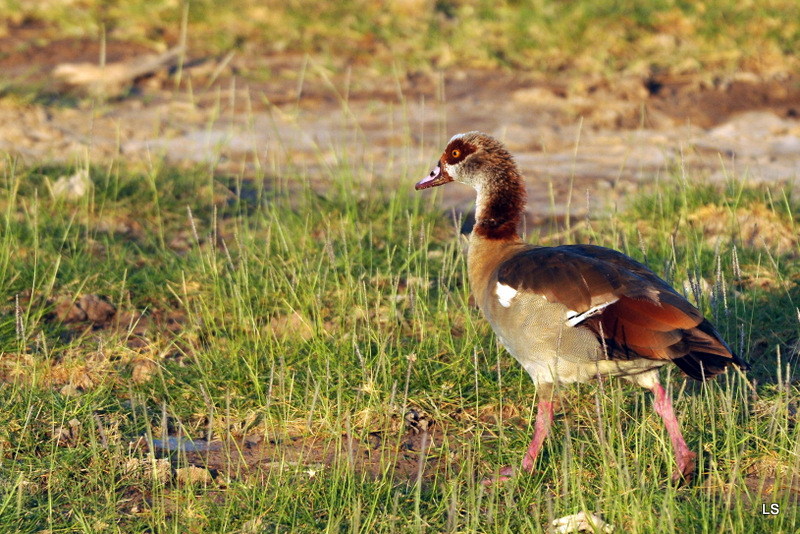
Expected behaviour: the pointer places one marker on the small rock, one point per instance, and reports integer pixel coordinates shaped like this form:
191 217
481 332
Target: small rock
143 370
81 380
253 526
70 390
92 308
72 187
67 436
113 79
539 96
785 145
69 312
149 468
418 421
98 310
747 77
193 475
581 522
61 435
291 325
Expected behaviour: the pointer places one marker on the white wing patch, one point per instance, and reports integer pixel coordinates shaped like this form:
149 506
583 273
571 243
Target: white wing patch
504 294
574 318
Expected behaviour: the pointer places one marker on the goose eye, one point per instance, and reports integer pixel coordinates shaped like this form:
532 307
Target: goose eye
455 153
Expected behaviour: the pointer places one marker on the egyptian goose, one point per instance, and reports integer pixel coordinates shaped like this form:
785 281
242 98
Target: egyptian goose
575 312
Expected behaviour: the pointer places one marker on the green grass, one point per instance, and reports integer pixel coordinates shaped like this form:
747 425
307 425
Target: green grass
314 322
595 36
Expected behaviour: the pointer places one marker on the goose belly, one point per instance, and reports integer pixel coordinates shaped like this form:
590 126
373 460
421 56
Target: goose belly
536 332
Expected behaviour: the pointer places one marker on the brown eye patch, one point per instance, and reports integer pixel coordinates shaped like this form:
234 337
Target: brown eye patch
457 150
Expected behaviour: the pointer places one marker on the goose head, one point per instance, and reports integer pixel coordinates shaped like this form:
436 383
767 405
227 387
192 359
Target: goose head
474 159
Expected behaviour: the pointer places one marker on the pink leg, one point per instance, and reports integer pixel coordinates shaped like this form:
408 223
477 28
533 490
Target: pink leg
683 456
544 416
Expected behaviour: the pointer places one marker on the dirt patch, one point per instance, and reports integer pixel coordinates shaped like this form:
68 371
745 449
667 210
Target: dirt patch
765 480
419 451
94 313
584 143
695 99
757 227
140 341
28 58
668 101
91 308
710 104
401 458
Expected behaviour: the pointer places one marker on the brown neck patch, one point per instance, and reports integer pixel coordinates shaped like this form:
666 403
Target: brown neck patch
503 207
490 229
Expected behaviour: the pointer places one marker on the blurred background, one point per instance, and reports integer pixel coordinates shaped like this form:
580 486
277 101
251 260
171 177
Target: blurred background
588 36
600 94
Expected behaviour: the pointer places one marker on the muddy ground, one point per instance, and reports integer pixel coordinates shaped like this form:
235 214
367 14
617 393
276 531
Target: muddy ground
595 137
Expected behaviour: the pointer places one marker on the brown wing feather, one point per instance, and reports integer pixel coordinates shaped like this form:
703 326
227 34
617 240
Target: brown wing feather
661 316
647 317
